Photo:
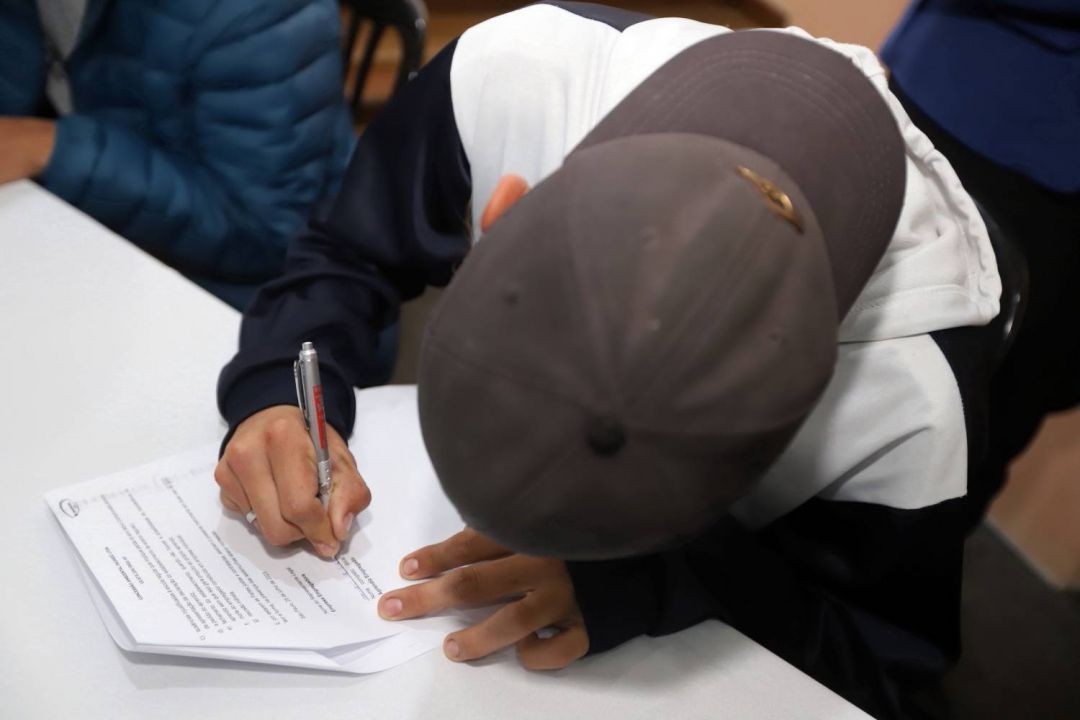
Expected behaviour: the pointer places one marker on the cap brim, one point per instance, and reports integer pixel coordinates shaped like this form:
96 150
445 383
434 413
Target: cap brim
801 104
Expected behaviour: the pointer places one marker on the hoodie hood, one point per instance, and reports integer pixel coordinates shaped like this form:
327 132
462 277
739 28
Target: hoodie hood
939 271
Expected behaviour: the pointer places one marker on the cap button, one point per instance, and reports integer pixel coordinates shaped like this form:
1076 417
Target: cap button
605 435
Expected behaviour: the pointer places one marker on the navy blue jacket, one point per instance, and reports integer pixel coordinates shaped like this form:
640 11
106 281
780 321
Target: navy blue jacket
1002 76
203 130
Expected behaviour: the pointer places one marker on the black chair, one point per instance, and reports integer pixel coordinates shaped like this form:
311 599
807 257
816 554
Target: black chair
1012 267
407 17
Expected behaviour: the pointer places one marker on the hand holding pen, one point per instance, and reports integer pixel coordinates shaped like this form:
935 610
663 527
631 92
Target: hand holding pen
271 471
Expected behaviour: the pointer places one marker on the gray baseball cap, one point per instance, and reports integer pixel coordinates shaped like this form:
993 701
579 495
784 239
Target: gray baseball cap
634 343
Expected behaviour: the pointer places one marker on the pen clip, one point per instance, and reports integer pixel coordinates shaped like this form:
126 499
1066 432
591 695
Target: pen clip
301 392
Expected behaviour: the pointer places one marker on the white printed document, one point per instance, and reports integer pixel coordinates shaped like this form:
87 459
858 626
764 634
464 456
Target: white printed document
171 572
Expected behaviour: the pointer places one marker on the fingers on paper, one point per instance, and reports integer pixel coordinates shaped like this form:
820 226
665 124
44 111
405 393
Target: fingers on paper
467 586
251 466
351 495
463 548
555 652
548 603
229 505
295 476
232 493
503 628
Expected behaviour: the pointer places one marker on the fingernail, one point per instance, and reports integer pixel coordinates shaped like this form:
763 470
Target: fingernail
410 567
327 551
347 522
453 650
391 607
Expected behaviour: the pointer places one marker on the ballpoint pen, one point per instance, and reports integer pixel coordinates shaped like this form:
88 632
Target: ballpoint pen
310 398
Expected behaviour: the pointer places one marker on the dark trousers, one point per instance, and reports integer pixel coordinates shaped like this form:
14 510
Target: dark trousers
1041 373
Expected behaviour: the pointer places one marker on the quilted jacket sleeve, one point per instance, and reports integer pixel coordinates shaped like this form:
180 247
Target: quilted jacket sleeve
22 59
268 136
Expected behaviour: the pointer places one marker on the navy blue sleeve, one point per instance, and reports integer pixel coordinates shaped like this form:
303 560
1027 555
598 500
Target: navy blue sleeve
1047 8
398 224
828 609
612 16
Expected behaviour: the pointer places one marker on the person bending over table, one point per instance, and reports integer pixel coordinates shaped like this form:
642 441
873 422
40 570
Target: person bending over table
723 360
203 131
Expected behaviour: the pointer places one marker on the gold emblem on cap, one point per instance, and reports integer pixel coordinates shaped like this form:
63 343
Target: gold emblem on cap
776 199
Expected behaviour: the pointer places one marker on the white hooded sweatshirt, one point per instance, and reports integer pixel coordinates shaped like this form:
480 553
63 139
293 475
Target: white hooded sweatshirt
528 86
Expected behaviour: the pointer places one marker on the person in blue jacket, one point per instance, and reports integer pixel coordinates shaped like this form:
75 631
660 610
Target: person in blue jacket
995 84
204 131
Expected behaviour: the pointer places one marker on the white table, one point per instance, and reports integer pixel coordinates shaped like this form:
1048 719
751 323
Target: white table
108 360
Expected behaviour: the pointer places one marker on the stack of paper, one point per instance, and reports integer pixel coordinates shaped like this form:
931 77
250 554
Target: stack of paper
171 572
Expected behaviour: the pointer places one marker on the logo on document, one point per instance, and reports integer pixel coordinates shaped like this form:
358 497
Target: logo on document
69 507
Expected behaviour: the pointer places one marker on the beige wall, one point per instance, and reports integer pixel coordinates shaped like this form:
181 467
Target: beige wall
865 22
1039 510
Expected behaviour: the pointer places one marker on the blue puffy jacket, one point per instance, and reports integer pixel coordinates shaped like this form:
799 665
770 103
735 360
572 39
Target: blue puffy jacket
203 130
1001 76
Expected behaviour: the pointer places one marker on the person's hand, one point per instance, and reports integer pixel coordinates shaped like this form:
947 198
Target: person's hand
25 147
542 592
269 467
